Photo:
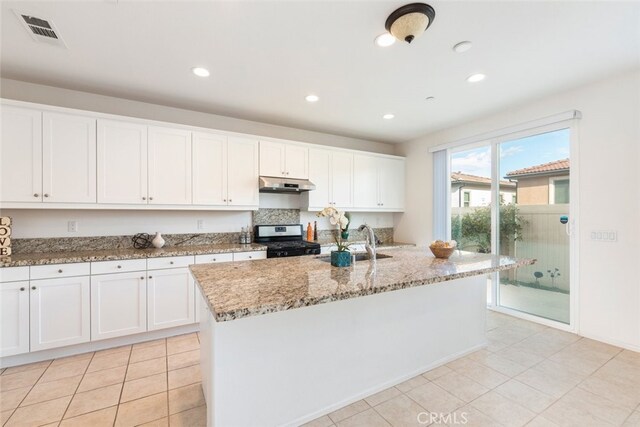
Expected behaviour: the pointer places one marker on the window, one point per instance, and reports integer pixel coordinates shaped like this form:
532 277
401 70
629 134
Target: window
466 199
558 191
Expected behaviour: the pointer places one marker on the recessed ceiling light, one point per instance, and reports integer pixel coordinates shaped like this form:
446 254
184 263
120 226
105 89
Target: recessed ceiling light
462 46
312 98
200 72
385 39
474 78
388 116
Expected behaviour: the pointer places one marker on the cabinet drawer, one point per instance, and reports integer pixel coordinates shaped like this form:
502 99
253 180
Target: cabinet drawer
169 262
120 266
246 256
213 258
60 270
13 274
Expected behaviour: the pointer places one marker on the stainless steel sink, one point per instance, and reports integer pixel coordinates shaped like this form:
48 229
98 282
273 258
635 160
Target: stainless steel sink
359 257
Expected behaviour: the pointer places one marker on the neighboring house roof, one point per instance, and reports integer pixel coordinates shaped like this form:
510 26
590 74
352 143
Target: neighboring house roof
464 178
545 168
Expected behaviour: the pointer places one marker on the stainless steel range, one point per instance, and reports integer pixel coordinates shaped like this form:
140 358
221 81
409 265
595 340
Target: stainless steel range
284 240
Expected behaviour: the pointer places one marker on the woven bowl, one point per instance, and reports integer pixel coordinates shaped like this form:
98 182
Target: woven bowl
443 253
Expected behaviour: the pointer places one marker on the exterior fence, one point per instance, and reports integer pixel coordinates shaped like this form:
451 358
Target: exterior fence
543 238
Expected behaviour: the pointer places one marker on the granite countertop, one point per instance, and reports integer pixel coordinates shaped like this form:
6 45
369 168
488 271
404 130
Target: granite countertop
41 258
387 245
251 288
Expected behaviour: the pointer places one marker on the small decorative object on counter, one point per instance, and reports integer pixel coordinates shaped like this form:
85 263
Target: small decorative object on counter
309 232
315 231
341 257
158 241
245 236
5 236
443 250
141 241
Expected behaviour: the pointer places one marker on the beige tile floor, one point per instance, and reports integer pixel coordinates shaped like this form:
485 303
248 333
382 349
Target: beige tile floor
528 375
156 383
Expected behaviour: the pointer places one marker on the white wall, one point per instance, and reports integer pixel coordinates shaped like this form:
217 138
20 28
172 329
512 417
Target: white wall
608 158
53 223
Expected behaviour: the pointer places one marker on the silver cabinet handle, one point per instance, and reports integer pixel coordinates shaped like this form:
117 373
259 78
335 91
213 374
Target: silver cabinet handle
22 289
250 257
150 198
144 198
142 278
33 287
284 173
230 200
36 195
224 200
171 262
60 271
119 266
150 277
46 195
214 260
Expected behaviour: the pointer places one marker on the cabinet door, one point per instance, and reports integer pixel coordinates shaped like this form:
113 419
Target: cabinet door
365 181
272 159
122 162
170 298
59 312
392 183
68 158
118 305
209 169
169 166
296 161
20 155
242 179
342 179
319 169
14 318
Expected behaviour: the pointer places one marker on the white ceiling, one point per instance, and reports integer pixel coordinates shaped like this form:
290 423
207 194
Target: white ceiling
266 56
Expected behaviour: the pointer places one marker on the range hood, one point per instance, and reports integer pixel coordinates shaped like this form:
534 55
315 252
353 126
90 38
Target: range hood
269 184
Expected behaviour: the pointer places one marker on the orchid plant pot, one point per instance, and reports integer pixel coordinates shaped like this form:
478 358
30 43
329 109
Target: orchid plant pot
341 258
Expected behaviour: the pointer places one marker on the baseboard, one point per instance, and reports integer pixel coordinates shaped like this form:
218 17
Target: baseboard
55 353
383 386
610 341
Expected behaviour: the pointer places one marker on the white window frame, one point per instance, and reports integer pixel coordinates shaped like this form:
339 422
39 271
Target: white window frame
552 188
570 122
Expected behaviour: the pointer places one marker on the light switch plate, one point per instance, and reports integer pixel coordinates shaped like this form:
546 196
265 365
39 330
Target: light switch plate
604 235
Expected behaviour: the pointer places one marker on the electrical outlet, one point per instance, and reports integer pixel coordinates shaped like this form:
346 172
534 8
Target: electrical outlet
200 224
72 226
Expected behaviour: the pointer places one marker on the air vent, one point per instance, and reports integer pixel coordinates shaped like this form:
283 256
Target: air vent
41 30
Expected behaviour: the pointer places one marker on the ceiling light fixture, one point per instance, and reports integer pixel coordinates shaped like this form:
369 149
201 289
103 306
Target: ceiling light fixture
385 40
312 98
388 116
409 21
474 78
462 46
200 72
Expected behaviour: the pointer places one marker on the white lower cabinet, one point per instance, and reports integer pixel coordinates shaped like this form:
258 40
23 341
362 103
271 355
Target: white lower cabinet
118 305
14 318
170 298
59 312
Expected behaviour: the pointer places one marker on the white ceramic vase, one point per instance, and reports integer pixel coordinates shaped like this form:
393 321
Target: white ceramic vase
158 241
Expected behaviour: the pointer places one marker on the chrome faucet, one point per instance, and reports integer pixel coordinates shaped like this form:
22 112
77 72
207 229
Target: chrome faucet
370 241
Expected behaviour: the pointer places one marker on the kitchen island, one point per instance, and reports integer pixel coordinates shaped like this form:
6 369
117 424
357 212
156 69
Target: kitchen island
286 340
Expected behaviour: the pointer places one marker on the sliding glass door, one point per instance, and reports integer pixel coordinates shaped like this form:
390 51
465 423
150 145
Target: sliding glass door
512 196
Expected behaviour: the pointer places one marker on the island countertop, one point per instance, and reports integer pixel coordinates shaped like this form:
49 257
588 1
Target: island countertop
250 288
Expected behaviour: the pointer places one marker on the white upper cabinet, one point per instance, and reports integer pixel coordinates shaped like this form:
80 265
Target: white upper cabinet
242 163
20 155
342 179
169 166
332 174
209 169
284 160
122 162
391 178
68 158
365 180
320 175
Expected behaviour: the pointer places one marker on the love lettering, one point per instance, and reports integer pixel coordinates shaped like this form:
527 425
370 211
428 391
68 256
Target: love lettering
5 236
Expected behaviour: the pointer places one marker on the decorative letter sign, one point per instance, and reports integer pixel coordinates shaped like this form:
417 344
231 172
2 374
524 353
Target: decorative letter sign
5 236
